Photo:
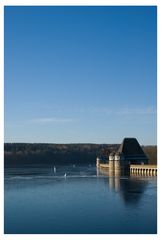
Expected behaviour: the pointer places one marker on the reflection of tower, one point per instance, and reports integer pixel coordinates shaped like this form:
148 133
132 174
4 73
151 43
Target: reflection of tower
117 184
111 180
114 182
98 171
118 173
111 163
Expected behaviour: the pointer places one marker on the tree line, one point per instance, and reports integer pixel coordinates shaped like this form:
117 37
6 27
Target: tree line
28 153
151 152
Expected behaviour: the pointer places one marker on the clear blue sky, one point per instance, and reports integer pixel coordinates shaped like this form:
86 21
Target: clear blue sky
80 74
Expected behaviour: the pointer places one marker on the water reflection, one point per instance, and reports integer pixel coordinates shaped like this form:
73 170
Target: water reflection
130 188
88 200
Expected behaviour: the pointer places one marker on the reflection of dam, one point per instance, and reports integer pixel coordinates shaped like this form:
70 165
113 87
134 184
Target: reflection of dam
129 159
114 180
130 188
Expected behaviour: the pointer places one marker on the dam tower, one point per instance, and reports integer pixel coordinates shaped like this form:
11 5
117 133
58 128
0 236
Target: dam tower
119 163
111 163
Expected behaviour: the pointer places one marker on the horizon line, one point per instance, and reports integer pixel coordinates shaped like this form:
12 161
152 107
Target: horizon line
73 143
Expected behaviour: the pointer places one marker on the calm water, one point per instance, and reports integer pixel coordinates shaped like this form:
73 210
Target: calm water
40 199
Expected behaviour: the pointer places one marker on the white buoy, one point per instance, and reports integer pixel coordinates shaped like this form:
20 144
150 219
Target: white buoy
54 169
65 175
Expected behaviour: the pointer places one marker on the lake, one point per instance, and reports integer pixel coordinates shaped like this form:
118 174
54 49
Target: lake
42 199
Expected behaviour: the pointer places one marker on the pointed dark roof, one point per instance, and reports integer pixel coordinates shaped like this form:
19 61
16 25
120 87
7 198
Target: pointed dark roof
132 150
130 146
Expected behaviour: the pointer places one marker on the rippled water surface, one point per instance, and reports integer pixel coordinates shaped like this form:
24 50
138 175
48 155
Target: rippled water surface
77 199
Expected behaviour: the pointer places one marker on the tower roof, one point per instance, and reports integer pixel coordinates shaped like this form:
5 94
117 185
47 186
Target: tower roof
130 146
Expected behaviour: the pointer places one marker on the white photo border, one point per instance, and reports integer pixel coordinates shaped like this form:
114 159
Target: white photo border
77 3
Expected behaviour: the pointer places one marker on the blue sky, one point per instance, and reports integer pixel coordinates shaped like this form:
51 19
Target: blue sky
80 74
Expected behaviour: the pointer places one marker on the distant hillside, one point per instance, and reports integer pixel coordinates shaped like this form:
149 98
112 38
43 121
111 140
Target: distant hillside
151 152
27 153
23 153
